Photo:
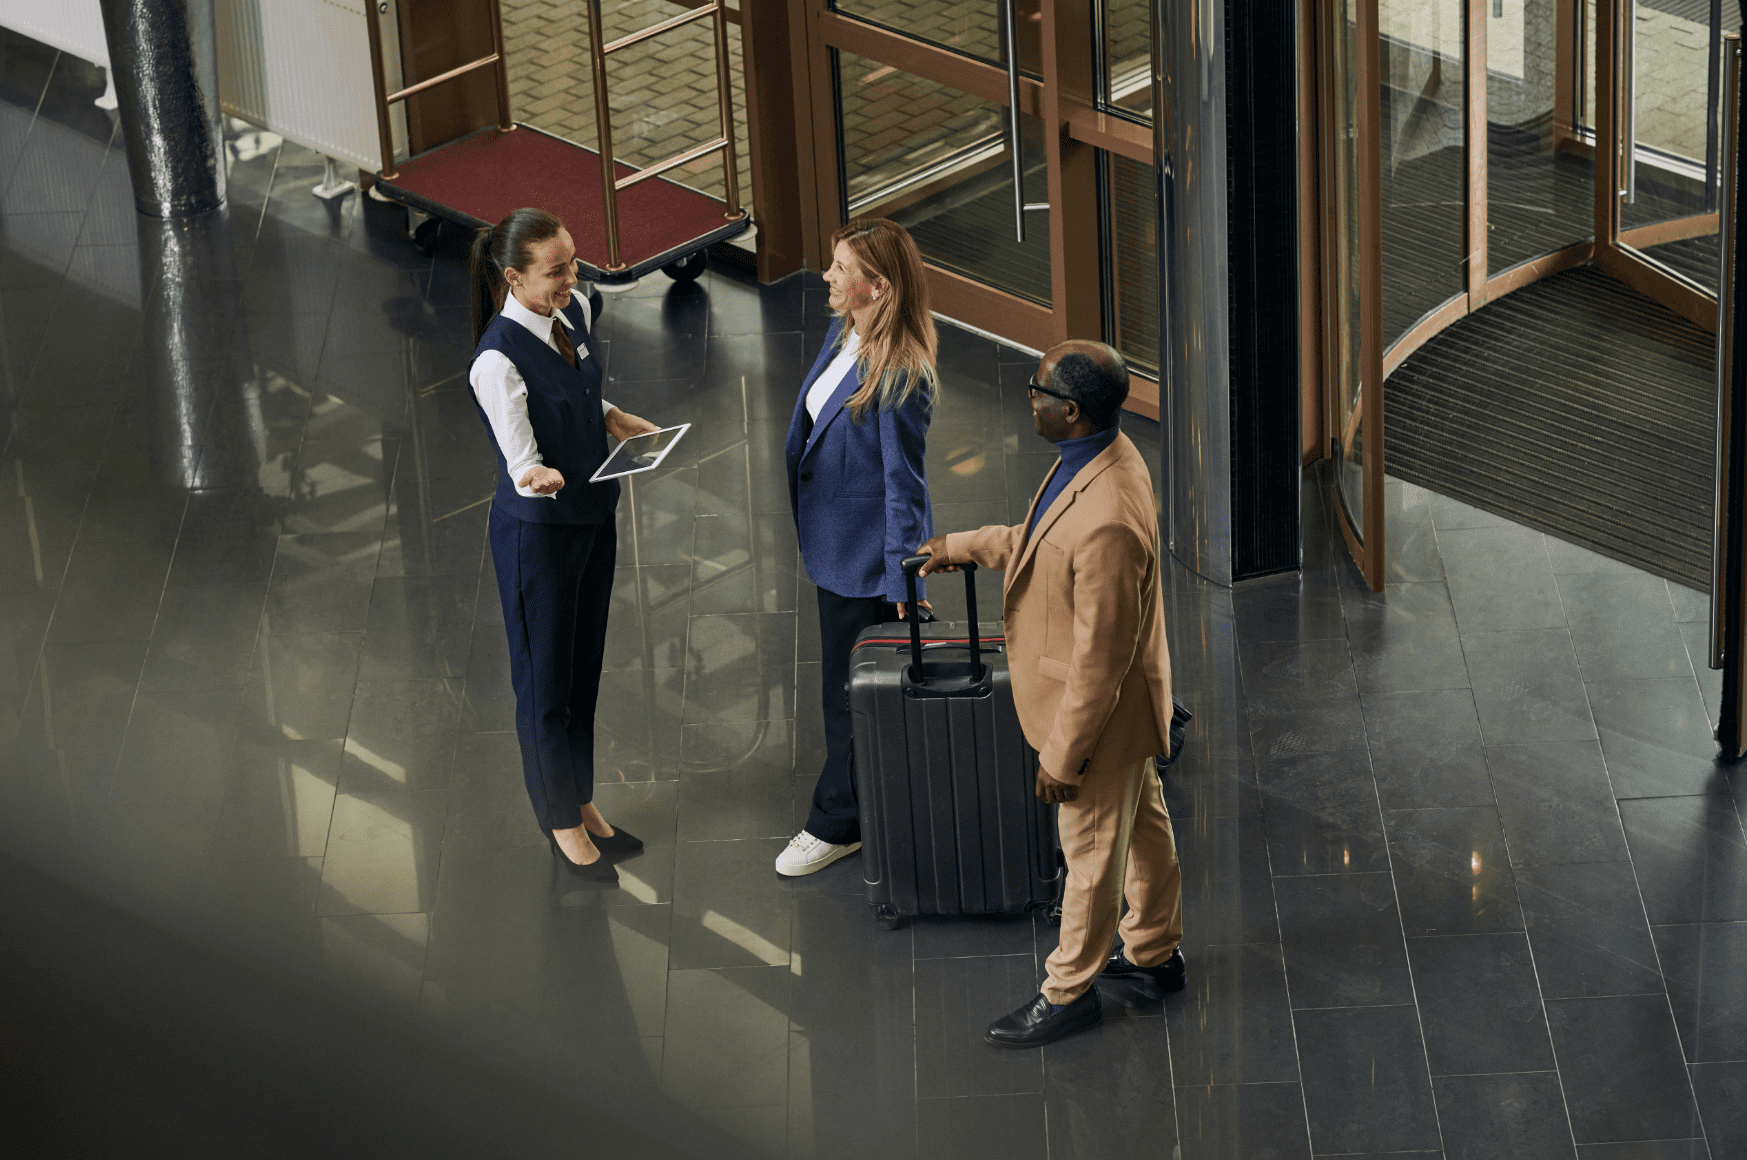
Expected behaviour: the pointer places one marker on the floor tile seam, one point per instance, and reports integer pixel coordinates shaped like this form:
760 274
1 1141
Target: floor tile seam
1661 971
1485 1074
1528 941
980 1096
1401 924
1279 943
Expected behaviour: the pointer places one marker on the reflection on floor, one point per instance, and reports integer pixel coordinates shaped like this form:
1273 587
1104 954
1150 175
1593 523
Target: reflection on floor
1461 876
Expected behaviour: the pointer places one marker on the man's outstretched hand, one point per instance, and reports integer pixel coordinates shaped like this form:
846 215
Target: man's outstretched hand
1051 790
934 546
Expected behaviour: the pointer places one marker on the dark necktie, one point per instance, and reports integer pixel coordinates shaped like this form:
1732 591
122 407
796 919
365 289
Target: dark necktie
561 340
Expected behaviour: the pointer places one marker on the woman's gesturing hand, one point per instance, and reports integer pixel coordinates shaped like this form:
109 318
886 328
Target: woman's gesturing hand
622 426
543 480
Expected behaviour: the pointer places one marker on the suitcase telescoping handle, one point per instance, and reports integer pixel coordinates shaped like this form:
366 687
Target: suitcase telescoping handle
911 565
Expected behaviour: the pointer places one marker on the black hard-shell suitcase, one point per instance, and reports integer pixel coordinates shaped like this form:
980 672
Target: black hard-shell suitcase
949 820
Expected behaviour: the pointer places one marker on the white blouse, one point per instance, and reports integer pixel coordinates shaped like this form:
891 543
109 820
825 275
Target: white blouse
827 383
503 394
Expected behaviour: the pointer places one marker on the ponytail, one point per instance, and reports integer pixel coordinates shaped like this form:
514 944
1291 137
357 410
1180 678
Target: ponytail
498 248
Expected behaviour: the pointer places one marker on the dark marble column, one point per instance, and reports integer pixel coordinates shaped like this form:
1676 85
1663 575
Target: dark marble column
164 58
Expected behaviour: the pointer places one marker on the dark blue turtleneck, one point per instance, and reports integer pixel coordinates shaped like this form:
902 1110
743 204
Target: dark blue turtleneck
1076 453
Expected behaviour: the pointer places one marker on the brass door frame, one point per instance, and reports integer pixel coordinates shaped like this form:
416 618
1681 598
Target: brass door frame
1367 543
1065 100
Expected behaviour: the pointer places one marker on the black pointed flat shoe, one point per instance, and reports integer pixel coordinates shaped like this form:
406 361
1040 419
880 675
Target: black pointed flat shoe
622 842
1169 976
1034 1024
600 870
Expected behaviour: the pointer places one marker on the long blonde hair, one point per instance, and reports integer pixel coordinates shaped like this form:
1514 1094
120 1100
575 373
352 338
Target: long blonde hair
898 346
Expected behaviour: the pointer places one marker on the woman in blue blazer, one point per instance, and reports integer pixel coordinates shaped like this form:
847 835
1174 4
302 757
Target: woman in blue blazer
857 486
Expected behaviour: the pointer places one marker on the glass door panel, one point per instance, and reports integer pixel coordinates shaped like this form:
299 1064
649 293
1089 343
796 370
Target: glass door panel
1540 167
935 160
1671 78
1341 178
1424 160
972 28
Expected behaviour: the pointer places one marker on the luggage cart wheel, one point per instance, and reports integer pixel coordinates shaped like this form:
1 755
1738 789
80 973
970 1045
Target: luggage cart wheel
687 269
424 234
886 917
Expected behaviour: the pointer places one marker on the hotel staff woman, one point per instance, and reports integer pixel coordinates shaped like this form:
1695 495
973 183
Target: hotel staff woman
537 380
856 483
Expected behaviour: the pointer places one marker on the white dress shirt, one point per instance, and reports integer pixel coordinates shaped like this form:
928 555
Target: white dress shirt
827 383
503 393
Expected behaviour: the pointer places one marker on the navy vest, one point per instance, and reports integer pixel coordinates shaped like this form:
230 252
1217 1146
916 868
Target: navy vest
564 407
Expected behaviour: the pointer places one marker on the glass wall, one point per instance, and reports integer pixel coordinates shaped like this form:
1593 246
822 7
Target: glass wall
972 27
1540 170
1423 158
934 160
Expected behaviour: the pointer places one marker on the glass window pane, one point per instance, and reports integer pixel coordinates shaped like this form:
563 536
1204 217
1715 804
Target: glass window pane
972 27
1128 78
935 160
1134 262
1424 164
1539 172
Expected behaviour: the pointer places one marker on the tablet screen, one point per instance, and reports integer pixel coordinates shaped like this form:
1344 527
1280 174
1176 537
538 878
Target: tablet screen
640 453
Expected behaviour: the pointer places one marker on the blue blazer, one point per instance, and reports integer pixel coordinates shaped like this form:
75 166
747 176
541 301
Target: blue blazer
858 490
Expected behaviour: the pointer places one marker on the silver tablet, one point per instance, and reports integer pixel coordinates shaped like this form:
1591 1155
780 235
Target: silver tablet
639 453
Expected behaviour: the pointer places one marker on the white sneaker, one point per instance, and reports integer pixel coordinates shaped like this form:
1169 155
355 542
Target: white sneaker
806 854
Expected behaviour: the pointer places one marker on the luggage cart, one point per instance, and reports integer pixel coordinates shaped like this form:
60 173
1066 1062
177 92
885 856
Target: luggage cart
626 222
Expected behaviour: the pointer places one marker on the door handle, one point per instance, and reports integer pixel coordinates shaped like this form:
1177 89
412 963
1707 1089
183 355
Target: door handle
1015 146
1725 340
1629 113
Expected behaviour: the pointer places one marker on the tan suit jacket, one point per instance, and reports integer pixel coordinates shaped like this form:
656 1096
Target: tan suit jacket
1084 616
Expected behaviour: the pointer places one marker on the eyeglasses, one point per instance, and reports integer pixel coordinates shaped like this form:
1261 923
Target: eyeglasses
1034 385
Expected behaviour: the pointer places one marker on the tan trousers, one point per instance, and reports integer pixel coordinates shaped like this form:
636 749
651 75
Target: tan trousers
1117 839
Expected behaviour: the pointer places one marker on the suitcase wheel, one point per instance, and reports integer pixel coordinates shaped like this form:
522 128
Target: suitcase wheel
1054 915
886 917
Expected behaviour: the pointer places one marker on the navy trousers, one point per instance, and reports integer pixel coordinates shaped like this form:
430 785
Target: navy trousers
835 816
556 583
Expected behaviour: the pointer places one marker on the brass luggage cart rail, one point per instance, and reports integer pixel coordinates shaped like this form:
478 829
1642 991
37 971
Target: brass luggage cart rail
598 49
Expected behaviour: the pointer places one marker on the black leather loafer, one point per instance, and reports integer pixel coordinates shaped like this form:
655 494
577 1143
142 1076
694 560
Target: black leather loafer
1034 1025
1169 976
622 842
600 870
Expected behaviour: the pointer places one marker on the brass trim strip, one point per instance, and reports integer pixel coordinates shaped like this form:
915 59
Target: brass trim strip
673 162
442 78
654 30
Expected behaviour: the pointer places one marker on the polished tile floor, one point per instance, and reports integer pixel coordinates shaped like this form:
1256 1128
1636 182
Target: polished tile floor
1462 878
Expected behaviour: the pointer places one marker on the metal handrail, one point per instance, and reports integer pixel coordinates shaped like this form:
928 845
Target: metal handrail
1629 98
384 98
654 30
673 162
1015 144
610 185
599 50
440 78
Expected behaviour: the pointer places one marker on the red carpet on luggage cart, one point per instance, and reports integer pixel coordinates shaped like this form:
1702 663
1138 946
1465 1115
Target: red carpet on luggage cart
478 179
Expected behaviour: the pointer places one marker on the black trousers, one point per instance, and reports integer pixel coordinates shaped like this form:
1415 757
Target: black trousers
556 584
835 817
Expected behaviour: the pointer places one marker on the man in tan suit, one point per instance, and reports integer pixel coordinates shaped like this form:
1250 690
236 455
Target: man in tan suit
1092 683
